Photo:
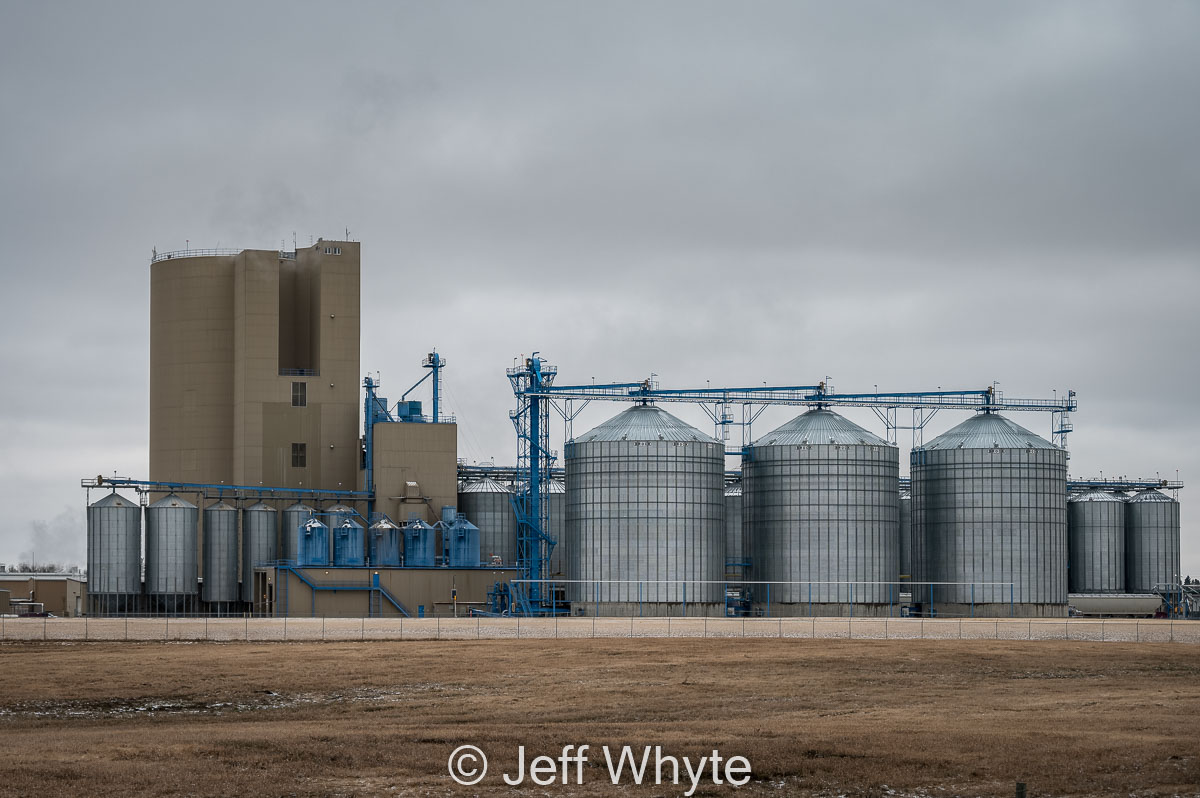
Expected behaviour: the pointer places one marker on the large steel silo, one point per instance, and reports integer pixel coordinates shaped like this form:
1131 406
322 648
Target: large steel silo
1096 543
114 555
821 507
290 532
989 517
488 505
736 553
645 520
172 573
1151 541
556 526
220 553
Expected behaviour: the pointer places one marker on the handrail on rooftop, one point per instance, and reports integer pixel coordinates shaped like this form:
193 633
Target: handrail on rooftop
211 252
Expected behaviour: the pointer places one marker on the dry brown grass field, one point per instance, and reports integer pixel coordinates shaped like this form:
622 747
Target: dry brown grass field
814 717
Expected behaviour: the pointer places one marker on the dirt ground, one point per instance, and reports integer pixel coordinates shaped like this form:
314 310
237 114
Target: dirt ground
814 717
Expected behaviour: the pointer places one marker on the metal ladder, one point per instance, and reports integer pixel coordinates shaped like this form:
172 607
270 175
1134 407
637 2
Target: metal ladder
376 608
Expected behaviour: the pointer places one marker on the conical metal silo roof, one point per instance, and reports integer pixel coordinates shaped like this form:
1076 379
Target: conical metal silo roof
113 500
553 486
172 501
1096 495
1150 495
645 423
260 506
483 485
820 426
988 431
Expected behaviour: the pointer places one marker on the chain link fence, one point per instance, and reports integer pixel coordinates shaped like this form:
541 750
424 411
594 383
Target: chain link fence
480 628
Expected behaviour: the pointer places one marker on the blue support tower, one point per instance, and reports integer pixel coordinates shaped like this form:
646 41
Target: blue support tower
534 459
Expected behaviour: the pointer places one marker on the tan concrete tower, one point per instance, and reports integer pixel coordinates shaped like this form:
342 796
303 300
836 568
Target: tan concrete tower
254 367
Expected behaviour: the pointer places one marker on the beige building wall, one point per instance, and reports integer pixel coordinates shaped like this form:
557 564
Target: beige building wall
64 596
229 336
426 454
412 587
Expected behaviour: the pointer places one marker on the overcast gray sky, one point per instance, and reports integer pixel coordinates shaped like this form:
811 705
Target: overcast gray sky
912 195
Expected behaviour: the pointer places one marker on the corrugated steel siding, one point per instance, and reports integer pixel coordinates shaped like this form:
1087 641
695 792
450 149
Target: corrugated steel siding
171 547
1096 543
1151 541
823 513
991 515
220 550
646 510
114 546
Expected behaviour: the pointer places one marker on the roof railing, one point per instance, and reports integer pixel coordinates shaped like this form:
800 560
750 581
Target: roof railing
203 253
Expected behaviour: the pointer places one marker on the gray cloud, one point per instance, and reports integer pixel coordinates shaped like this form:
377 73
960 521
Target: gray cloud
908 195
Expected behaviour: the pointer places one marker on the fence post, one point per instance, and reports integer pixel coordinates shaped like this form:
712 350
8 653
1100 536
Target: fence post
247 628
285 628
518 627
438 635
362 628
127 628
1137 631
205 628
476 627
44 621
